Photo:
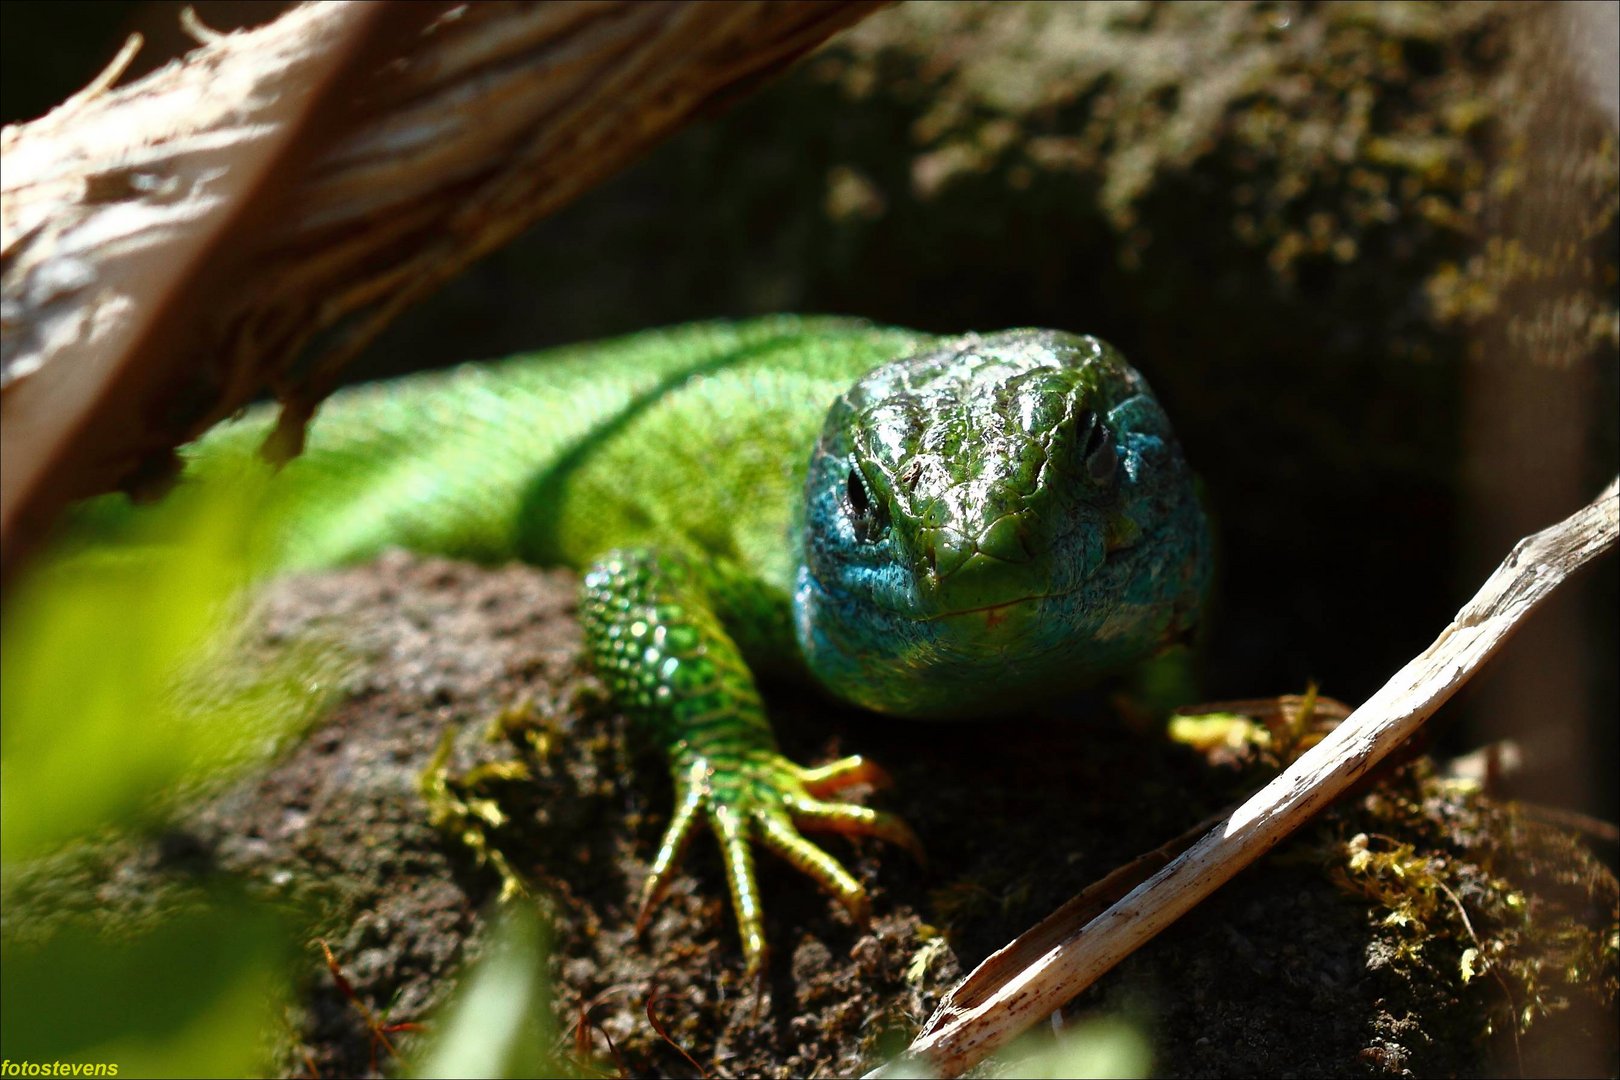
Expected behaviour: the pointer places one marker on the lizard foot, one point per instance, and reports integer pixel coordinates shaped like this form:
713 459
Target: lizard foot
767 798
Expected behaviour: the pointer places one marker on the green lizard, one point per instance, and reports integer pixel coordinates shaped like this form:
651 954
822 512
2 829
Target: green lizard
921 526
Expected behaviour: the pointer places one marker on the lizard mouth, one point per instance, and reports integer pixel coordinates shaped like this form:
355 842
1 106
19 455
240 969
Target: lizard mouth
994 614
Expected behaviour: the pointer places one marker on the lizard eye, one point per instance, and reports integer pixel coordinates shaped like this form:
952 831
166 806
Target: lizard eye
1102 458
1098 451
864 514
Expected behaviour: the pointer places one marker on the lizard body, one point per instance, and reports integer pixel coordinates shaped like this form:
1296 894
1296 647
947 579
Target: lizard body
920 526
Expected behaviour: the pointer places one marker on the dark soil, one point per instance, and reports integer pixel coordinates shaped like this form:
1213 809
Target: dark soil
1307 965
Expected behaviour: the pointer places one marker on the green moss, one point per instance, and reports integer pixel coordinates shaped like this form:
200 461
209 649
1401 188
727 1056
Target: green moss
1517 918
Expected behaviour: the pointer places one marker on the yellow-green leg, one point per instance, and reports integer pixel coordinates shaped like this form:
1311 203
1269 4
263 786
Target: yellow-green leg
667 659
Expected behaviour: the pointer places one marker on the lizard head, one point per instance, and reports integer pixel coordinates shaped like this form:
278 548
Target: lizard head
993 520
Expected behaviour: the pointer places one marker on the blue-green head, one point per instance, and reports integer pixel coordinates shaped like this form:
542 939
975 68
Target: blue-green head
991 522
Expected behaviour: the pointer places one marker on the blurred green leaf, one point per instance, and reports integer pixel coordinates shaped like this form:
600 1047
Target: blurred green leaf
1105 1046
500 1021
120 677
1215 730
194 997
124 689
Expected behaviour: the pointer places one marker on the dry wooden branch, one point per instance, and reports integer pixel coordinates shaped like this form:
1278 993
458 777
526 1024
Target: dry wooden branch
169 249
1000 1000
116 206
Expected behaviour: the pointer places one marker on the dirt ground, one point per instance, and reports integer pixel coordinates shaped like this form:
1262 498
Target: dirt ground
1310 964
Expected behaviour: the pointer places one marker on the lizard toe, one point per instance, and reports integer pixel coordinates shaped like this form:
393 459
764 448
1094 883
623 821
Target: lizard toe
836 776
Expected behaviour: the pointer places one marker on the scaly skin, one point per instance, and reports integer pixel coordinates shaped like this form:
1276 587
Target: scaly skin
926 527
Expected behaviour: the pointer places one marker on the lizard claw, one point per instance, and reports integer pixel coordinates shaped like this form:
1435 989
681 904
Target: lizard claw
770 800
688 801
853 820
835 776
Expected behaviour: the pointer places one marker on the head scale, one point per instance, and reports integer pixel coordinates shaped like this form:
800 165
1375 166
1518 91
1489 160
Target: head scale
992 521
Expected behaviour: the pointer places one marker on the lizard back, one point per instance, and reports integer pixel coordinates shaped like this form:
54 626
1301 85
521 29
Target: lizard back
696 438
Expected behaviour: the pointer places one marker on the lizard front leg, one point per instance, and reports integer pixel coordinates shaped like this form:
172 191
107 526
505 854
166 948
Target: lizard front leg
655 638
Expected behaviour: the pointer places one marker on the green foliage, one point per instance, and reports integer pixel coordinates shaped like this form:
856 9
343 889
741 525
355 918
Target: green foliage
499 1023
1208 731
192 997
121 679
125 693
1103 1046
